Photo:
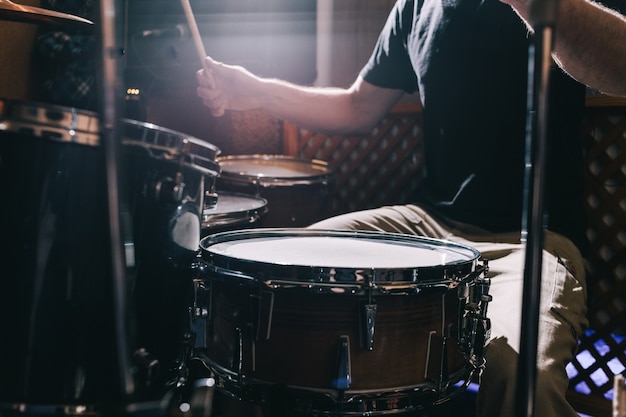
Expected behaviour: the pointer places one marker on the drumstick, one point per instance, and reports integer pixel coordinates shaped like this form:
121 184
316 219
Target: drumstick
197 40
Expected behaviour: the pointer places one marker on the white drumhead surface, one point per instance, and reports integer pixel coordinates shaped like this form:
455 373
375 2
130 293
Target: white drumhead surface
234 203
340 252
271 168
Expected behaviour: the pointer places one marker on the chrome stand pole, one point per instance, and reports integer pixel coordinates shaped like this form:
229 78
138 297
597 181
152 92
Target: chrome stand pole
543 16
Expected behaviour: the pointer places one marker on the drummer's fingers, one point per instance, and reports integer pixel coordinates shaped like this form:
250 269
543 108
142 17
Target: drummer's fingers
205 79
210 66
215 105
210 96
213 99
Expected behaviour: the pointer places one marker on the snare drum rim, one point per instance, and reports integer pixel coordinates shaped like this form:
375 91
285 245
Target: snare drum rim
273 181
313 276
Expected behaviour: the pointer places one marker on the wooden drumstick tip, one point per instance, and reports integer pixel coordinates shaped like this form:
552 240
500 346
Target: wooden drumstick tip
202 55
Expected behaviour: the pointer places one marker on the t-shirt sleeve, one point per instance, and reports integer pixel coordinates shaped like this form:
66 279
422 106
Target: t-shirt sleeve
390 66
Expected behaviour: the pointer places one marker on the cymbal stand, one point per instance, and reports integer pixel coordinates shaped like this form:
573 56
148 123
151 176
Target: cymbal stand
109 104
542 18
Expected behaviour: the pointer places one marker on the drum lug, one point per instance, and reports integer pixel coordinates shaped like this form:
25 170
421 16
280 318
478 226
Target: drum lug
344 373
238 355
437 359
168 190
475 326
201 313
368 326
263 305
210 199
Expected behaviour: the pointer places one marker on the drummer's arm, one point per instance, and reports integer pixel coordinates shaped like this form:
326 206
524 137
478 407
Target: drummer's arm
356 109
589 43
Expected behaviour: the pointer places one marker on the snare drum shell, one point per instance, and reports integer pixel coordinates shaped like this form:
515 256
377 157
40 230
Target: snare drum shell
302 347
298 191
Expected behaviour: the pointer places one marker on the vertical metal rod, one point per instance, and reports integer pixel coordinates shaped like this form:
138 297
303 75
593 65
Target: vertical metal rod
533 225
109 100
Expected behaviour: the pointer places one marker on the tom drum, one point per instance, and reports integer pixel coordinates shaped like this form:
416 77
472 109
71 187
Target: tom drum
232 211
57 301
298 191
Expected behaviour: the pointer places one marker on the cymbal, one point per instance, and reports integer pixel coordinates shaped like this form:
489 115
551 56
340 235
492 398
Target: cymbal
31 14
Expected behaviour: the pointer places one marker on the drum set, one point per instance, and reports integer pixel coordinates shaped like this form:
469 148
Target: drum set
224 291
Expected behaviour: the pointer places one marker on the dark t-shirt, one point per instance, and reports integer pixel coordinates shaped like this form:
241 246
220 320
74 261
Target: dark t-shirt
469 60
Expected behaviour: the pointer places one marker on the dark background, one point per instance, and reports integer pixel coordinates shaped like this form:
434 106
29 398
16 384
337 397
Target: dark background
275 38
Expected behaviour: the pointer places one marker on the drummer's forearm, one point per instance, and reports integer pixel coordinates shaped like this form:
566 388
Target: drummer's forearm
589 41
326 109
590 44
356 109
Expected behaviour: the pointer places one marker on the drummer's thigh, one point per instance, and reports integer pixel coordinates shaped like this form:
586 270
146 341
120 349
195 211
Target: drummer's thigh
408 219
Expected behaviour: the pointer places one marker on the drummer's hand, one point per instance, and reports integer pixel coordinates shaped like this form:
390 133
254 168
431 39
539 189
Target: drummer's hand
224 87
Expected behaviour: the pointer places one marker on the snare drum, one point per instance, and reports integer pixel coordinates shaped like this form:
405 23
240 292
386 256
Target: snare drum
298 191
232 211
57 303
341 322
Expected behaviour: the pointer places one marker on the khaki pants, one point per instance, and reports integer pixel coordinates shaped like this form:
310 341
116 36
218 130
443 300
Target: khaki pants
562 309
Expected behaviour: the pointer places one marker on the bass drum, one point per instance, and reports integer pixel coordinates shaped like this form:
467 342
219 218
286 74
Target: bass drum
58 302
340 323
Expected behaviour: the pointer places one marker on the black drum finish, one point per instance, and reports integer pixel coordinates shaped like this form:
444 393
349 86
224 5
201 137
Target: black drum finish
57 300
168 173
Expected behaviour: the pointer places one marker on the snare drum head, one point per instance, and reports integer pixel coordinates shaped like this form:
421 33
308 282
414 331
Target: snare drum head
307 256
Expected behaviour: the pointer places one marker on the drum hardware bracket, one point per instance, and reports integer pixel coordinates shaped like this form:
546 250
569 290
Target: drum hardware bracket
368 313
210 199
368 324
476 329
437 360
167 190
181 368
202 300
238 355
263 305
344 373
480 269
201 313
278 283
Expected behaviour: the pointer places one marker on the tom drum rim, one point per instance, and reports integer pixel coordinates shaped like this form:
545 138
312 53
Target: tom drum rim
267 170
233 209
